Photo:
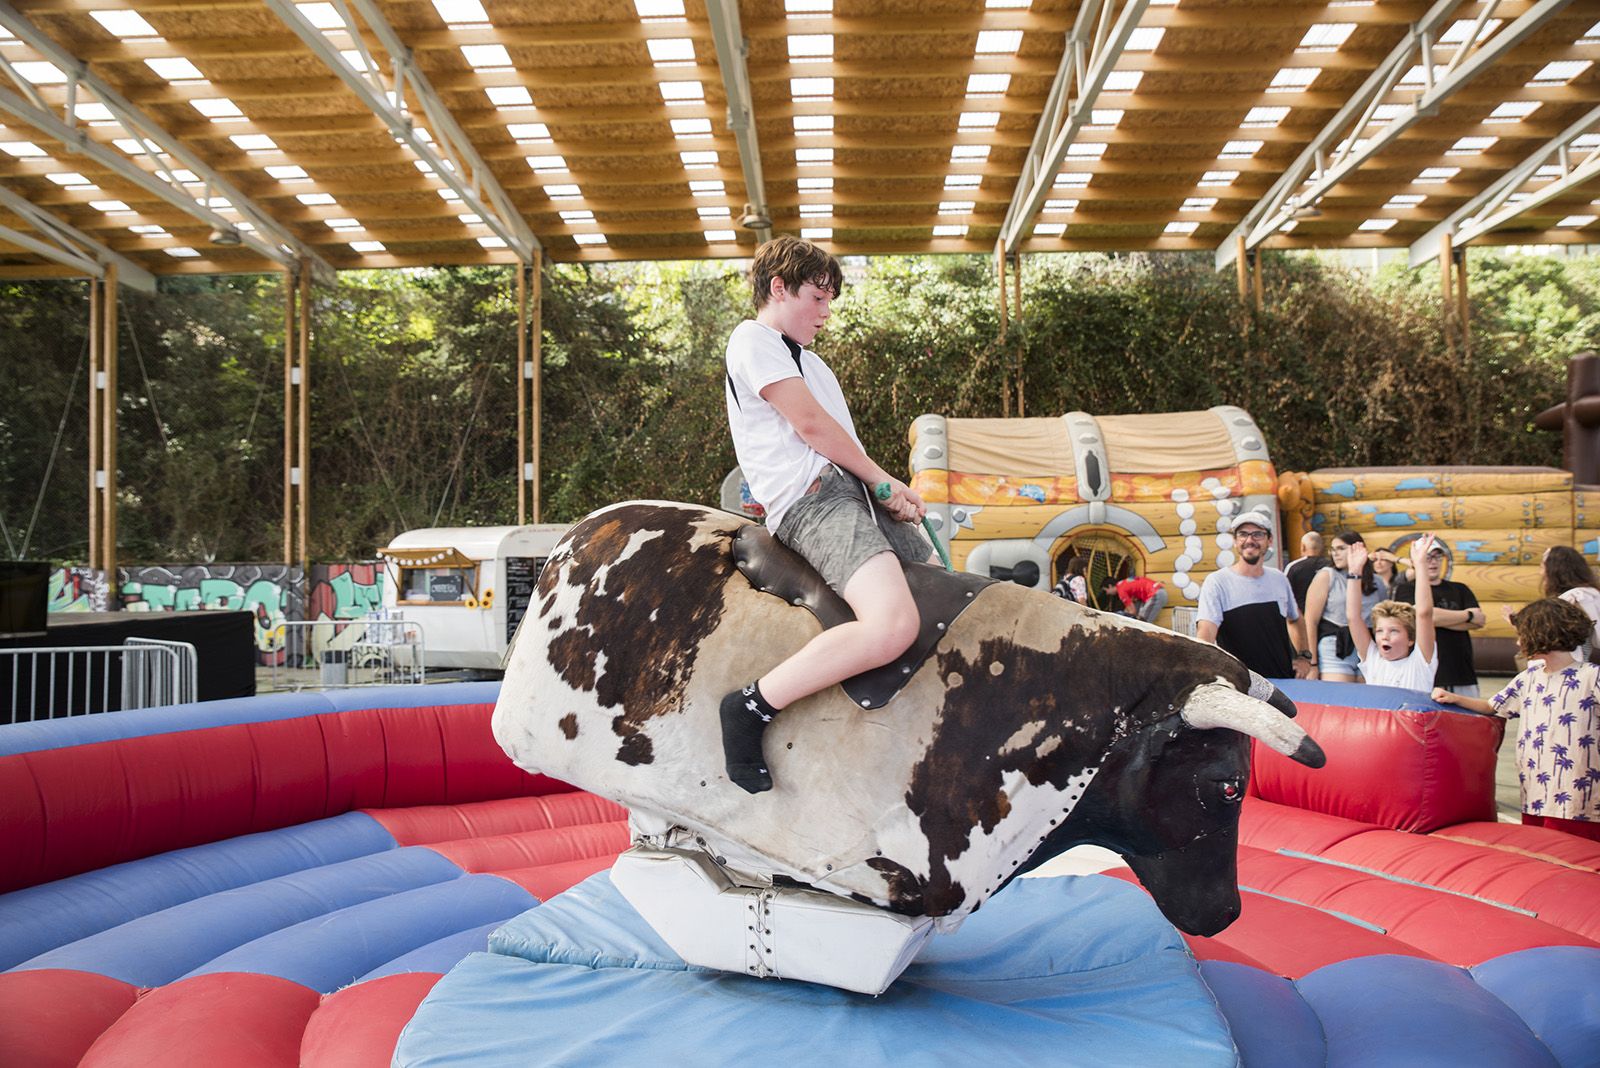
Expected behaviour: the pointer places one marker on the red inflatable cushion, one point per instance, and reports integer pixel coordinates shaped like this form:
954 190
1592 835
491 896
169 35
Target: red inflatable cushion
450 823
1406 770
52 1016
237 1019
357 1027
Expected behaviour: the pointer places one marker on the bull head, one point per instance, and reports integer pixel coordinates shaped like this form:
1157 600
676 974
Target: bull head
1167 799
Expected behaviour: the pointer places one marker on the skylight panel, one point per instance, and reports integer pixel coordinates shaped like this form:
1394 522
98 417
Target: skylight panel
313 200
38 72
1293 79
1049 229
699 159
287 173
469 12
343 224
322 16
509 96
367 246
963 181
186 177
589 239
815 211
1560 72
93 112
817 233
577 217
1072 180
1435 175
1187 227
491 241
356 61
254 142
1377 226
489 56
716 212
811 88
1416 77
147 230
1090 150
1549 170
1325 36
1573 222
812 156
956 207
110 207
691 127
1123 81
707 188
1586 142
950 230
1591 35
670 50
130 145
721 237
1260 117
807 7
1215 178
1513 111
998 42
470 219
988 84
1404 201
1198 204
550 164
1470 146
22 150
993 4
682 92
1060 206
810 46
219 107
815 185
813 124
563 192
1384 114
528 131
181 252
1144 39
175 69
1104 118
1239 149
978 120
128 25
659 9
969 153
1456 33
69 179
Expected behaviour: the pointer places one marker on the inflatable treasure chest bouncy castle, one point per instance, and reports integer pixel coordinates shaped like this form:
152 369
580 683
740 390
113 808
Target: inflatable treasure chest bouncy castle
1495 524
1150 495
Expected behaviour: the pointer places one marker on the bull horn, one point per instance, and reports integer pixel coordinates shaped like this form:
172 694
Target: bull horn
1263 690
1213 705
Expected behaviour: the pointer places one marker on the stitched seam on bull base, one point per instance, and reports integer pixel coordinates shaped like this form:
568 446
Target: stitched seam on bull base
1407 882
1516 851
1335 913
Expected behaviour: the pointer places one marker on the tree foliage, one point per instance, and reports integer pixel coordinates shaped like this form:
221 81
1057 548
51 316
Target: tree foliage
414 375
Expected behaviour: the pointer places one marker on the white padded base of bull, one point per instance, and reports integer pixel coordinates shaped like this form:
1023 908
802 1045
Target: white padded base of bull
710 921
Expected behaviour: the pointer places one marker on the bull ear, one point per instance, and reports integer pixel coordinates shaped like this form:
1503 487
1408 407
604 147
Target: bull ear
1214 705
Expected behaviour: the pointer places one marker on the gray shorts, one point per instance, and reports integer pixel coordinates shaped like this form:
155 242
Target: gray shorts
837 531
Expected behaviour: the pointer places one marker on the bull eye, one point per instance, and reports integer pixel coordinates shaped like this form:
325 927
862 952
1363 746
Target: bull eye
1231 790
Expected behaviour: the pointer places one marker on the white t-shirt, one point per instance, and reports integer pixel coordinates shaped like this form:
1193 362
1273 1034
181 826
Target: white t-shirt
777 463
1412 673
1588 599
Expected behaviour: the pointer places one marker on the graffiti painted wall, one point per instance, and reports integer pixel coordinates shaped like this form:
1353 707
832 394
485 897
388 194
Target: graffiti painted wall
78 589
344 591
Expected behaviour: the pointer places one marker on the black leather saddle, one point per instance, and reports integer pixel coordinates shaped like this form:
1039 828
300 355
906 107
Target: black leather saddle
940 595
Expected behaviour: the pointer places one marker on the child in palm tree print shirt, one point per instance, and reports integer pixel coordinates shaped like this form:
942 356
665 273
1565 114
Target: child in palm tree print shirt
1558 701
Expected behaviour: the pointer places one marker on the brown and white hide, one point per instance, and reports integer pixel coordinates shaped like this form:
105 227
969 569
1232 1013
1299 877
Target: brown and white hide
925 806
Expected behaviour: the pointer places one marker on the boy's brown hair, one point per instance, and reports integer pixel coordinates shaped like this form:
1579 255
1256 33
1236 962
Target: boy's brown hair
796 262
1402 613
1551 625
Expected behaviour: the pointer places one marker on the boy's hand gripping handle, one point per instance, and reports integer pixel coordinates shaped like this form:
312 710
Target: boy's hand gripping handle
883 491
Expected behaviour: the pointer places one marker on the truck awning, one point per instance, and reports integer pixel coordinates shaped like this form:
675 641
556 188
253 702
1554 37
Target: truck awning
444 557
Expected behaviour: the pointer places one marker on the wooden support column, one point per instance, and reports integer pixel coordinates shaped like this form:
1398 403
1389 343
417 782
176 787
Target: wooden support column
108 436
304 427
96 400
290 380
522 392
1242 258
1000 270
1016 307
535 368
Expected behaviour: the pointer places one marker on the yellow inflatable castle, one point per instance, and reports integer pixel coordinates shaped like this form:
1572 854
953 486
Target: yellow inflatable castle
1134 494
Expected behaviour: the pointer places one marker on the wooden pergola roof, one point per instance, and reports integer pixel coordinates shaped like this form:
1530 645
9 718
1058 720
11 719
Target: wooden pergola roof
879 125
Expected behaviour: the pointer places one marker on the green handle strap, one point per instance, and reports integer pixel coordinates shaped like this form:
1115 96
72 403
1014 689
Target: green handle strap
884 491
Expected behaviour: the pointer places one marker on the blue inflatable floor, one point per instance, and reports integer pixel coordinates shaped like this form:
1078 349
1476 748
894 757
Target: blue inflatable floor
1057 971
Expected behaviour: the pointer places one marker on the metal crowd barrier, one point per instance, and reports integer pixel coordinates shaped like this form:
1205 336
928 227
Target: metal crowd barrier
330 654
58 681
1185 619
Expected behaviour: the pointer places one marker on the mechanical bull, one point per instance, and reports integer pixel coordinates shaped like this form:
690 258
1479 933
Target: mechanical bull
1020 725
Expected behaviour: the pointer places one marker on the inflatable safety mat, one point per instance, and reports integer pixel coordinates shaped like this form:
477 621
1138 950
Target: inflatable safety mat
1049 965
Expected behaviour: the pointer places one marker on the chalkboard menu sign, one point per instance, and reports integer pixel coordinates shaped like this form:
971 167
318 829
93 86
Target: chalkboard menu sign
522 573
447 587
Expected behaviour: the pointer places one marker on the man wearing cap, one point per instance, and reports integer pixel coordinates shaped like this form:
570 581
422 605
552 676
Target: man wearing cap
1249 610
1455 613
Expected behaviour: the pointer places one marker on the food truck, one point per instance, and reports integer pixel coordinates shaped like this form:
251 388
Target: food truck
468 587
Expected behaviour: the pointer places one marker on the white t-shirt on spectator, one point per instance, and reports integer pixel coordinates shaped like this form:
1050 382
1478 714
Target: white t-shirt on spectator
1412 673
777 463
1588 599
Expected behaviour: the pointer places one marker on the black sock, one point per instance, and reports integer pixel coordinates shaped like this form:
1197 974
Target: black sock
745 715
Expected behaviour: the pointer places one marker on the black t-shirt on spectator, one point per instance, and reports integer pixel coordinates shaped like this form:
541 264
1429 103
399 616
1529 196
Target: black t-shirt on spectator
1300 574
1455 646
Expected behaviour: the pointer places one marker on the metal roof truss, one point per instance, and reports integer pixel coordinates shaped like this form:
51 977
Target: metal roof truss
69 246
732 48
